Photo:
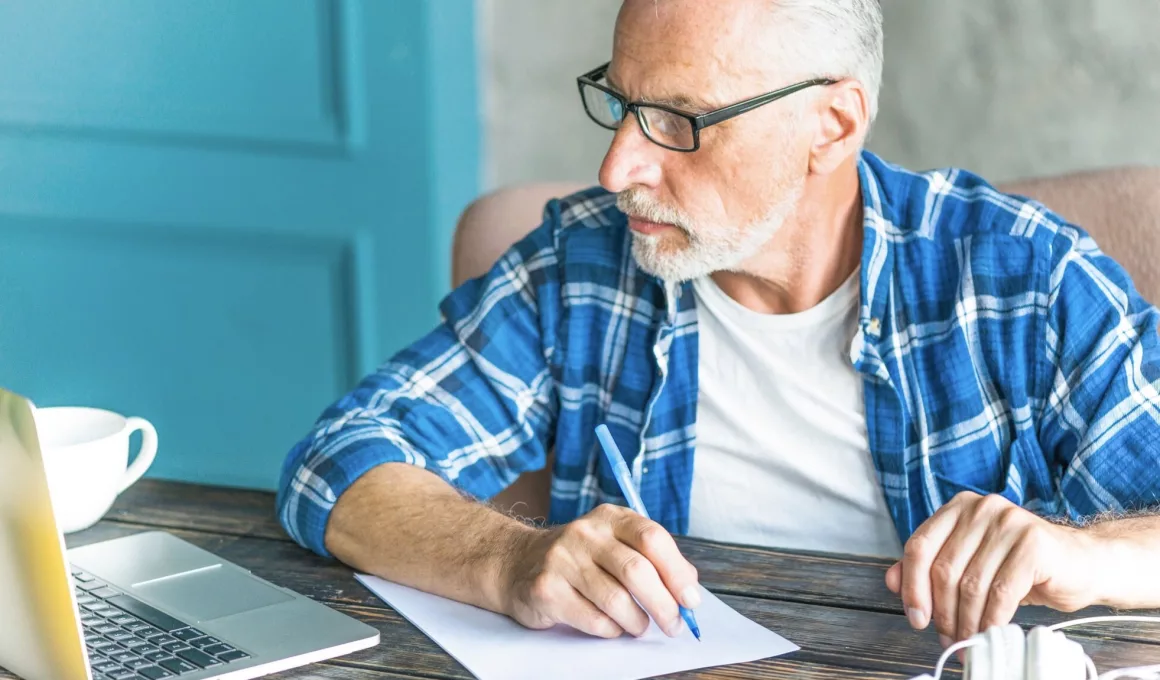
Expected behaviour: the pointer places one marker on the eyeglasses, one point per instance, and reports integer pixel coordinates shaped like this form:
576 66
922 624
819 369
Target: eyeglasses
666 126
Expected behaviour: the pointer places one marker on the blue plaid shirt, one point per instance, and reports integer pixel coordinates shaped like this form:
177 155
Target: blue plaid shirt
1001 352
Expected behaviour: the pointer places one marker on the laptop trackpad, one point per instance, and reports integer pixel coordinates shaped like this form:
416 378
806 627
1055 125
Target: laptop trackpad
211 593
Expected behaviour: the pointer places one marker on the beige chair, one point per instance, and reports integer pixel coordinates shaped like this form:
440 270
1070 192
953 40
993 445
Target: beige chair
1119 207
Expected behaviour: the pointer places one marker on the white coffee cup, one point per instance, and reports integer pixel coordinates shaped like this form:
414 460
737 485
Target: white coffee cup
86 457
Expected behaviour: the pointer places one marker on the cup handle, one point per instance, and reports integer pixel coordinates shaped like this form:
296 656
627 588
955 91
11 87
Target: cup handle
145 456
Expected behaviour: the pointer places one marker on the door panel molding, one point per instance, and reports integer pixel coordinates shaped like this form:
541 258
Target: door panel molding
262 120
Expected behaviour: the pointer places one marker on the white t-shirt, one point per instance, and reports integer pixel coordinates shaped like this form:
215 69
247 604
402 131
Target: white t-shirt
782 457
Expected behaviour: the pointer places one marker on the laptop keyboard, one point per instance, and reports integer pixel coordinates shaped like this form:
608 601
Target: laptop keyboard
128 639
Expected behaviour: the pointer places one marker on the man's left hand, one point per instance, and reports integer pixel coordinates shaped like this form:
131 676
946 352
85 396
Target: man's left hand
978 558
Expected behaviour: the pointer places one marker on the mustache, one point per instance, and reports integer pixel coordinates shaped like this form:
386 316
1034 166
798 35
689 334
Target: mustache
637 203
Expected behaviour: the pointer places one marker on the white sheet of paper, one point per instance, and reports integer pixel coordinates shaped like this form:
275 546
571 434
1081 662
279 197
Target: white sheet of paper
494 647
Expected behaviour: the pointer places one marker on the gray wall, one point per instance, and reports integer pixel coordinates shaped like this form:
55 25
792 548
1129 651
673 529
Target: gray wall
1008 88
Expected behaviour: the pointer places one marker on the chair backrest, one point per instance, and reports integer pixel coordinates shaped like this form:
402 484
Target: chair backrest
495 221
1119 207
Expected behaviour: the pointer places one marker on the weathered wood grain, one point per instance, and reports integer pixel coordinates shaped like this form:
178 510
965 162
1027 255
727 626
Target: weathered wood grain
817 578
221 510
858 639
836 607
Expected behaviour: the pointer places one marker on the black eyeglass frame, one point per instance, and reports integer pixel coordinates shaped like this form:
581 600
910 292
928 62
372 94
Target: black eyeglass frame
697 122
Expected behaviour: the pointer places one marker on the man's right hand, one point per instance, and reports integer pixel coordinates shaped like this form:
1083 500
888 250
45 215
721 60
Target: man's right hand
591 574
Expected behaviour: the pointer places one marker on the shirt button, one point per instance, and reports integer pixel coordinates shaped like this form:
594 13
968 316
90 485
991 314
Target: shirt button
874 327
644 470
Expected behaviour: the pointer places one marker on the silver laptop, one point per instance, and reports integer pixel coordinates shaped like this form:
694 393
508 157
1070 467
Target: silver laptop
142 607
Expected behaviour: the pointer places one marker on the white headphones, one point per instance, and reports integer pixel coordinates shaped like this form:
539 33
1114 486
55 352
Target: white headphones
1004 653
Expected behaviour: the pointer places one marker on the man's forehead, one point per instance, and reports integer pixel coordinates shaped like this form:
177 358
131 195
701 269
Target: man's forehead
700 52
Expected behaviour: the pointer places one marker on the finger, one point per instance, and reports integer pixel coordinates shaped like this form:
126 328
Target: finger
651 540
575 610
920 551
946 572
613 599
636 573
979 577
894 578
1010 588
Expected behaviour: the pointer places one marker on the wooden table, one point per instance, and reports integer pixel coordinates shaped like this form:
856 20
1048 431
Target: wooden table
836 607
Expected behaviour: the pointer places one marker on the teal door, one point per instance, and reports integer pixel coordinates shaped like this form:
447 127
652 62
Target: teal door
218 214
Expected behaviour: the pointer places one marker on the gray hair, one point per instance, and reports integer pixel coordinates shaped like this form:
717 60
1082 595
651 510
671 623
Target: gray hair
836 39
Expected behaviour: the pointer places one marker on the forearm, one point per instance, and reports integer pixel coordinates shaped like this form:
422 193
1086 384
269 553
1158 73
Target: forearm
1128 549
407 525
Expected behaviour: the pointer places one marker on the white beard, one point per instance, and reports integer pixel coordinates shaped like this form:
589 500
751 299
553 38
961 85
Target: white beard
709 250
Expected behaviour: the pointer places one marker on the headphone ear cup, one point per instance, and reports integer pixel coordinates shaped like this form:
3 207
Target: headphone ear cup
977 658
997 655
1051 656
1014 652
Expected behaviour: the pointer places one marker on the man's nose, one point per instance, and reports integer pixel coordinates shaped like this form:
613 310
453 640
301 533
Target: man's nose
632 160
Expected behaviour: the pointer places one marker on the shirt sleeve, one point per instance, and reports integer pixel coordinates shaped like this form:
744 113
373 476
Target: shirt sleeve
474 401
1101 416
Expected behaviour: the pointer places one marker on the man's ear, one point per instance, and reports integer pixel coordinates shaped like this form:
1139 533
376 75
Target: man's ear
843 121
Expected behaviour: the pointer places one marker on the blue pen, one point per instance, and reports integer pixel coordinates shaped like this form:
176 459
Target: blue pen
624 479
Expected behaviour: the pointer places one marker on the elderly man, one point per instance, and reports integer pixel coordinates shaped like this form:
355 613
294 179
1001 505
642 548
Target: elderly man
795 343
